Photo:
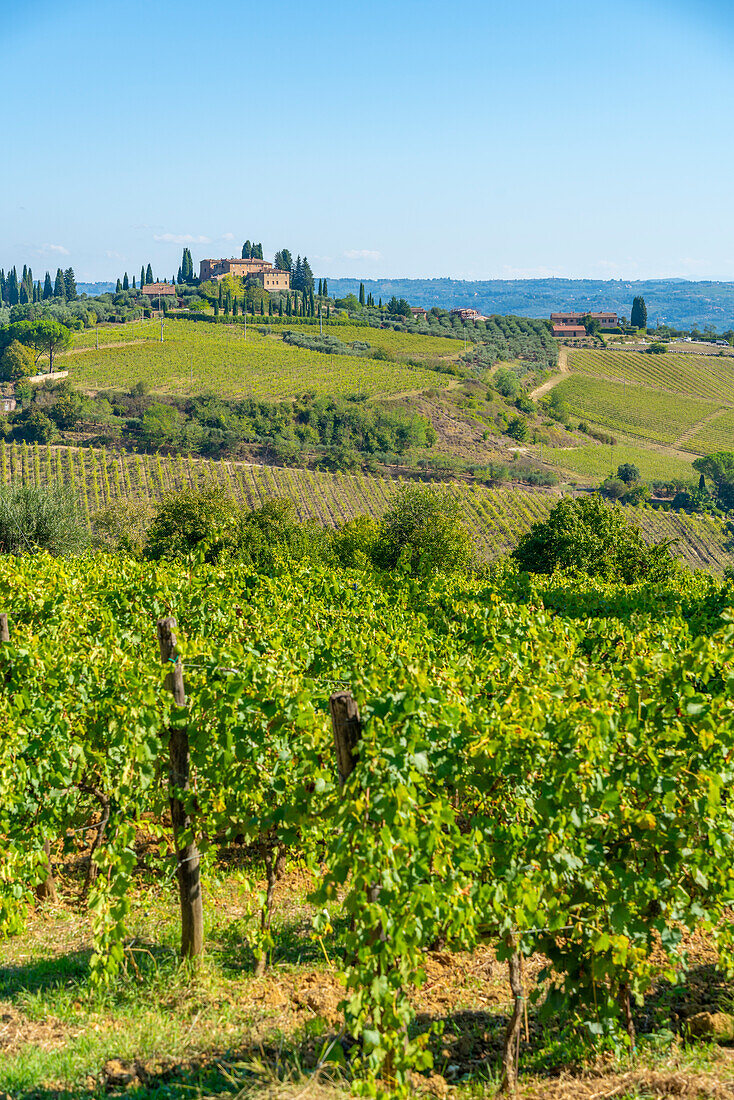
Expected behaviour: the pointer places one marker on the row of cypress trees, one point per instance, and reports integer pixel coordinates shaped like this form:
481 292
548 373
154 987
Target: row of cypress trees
18 291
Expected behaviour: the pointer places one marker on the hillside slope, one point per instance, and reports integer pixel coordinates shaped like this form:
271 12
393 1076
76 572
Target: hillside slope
495 517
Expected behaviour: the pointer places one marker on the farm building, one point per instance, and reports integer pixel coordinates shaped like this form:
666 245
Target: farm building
418 312
569 330
262 270
159 290
468 315
606 320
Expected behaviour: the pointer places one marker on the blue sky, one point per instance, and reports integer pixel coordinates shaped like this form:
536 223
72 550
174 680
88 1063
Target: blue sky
474 140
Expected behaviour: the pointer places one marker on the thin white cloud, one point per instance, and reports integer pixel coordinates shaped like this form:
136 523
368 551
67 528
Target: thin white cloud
362 254
57 248
112 255
180 238
227 237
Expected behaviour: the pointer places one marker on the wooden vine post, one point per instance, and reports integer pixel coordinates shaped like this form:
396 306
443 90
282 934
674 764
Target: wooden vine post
46 888
347 728
188 870
511 1046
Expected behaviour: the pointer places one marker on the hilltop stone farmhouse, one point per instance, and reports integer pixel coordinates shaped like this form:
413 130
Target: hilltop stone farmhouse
262 270
572 324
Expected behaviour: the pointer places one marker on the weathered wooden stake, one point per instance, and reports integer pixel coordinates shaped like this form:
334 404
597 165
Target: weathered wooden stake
347 732
188 869
4 628
511 1051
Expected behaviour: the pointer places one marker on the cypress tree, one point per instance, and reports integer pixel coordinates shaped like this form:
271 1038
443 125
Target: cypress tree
638 317
234 307
311 303
270 308
149 274
142 277
246 250
3 298
307 276
380 303
288 307
179 277
126 282
328 311
118 288
24 299
216 308
59 286
70 284
221 294
262 307
38 293
227 306
326 291
319 291
280 307
361 294
134 287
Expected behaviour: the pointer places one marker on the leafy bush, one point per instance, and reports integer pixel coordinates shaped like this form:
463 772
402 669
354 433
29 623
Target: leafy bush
423 529
589 537
517 428
16 362
34 519
628 473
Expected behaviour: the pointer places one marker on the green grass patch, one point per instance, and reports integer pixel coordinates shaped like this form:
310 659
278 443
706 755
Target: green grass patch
597 461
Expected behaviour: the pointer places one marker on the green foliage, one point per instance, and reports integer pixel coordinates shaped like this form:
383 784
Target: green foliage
16 362
190 519
638 316
588 537
34 519
628 473
424 530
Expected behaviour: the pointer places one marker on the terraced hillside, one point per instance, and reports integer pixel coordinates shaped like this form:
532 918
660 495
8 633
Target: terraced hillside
496 517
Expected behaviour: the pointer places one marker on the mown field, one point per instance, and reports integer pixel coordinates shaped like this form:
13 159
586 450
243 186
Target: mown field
633 409
217 358
707 378
597 461
495 517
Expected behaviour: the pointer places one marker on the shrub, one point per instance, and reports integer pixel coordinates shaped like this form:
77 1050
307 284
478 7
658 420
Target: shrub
16 362
189 519
517 428
33 519
589 537
628 473
423 529
33 426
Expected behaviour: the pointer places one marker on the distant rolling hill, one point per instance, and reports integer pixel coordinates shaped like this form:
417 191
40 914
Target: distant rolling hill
675 302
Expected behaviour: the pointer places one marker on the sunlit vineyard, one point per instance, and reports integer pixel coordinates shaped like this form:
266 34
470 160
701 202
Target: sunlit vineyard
495 517
704 377
636 410
597 460
717 434
217 358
